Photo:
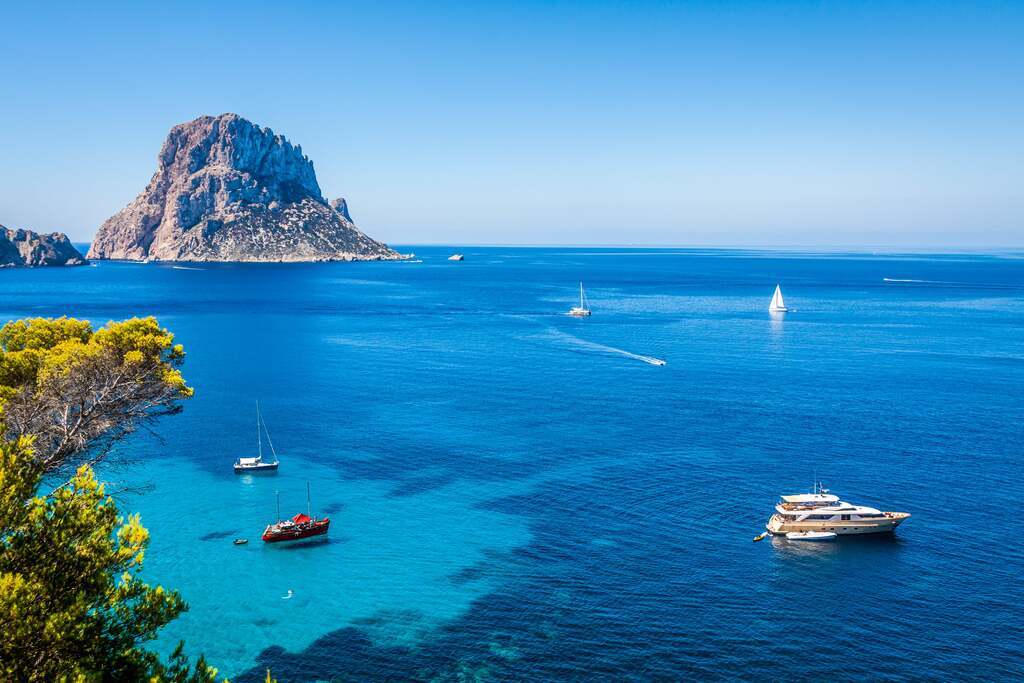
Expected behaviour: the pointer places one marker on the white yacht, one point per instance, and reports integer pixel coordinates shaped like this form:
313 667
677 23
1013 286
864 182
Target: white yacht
821 511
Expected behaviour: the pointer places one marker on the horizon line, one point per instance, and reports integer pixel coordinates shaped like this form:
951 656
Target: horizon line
822 248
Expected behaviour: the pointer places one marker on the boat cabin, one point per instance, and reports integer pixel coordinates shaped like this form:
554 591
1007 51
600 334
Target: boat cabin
806 501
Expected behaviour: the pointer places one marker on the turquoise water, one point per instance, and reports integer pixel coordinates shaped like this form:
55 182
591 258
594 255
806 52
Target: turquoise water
518 495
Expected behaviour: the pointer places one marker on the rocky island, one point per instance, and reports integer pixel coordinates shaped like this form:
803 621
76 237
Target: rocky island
226 189
28 248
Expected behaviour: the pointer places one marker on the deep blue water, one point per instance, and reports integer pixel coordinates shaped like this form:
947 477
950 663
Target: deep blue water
517 495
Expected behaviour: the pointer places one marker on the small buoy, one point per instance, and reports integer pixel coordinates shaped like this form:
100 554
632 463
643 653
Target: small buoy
760 537
241 541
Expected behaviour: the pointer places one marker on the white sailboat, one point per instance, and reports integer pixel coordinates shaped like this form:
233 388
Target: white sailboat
257 464
583 310
777 305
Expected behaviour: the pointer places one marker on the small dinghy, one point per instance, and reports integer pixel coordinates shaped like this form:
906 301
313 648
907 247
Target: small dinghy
241 541
811 536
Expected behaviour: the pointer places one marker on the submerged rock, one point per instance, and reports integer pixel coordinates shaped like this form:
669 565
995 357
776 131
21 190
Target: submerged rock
28 248
226 189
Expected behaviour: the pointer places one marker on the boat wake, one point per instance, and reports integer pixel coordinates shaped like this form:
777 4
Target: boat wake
949 283
186 268
574 341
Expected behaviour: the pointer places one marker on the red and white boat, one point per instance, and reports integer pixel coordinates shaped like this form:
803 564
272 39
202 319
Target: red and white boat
298 527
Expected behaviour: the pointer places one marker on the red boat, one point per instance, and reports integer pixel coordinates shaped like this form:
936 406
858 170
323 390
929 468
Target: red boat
299 526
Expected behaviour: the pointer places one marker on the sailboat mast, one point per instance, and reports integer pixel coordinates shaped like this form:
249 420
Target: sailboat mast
308 508
278 495
259 436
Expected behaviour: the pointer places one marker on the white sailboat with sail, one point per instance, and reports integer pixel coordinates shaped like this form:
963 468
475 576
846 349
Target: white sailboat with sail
778 305
257 464
583 310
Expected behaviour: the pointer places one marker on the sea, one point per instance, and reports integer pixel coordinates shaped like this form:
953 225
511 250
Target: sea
519 495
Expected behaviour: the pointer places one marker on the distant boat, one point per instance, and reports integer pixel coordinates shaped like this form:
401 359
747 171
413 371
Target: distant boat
243 465
298 527
583 310
777 305
456 257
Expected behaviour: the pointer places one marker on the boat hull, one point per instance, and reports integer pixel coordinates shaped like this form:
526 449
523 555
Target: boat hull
778 526
317 528
263 467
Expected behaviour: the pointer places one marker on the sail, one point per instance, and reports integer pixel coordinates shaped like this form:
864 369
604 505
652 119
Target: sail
584 304
777 303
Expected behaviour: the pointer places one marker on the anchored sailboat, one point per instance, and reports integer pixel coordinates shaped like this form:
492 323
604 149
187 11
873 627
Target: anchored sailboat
298 527
777 305
583 310
256 464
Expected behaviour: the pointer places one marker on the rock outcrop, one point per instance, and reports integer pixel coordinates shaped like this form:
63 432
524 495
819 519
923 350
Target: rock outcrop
27 248
226 189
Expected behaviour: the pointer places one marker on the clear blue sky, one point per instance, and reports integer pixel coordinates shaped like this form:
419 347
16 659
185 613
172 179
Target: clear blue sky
701 123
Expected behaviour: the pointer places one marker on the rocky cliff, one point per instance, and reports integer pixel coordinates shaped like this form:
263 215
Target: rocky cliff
27 248
226 189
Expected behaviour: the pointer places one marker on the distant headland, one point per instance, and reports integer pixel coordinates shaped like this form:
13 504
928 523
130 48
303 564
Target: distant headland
226 189
28 248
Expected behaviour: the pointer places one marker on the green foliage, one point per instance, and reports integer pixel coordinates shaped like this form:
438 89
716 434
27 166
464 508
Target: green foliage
43 333
73 606
32 350
77 389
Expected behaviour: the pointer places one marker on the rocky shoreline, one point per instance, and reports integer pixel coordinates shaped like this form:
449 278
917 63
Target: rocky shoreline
28 249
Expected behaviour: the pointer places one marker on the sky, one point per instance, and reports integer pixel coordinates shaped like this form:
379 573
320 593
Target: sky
677 123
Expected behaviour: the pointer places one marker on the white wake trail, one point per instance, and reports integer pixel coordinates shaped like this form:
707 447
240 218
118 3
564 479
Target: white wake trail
572 340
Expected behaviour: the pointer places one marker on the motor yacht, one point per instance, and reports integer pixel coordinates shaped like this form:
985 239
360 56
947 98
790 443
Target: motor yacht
824 512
